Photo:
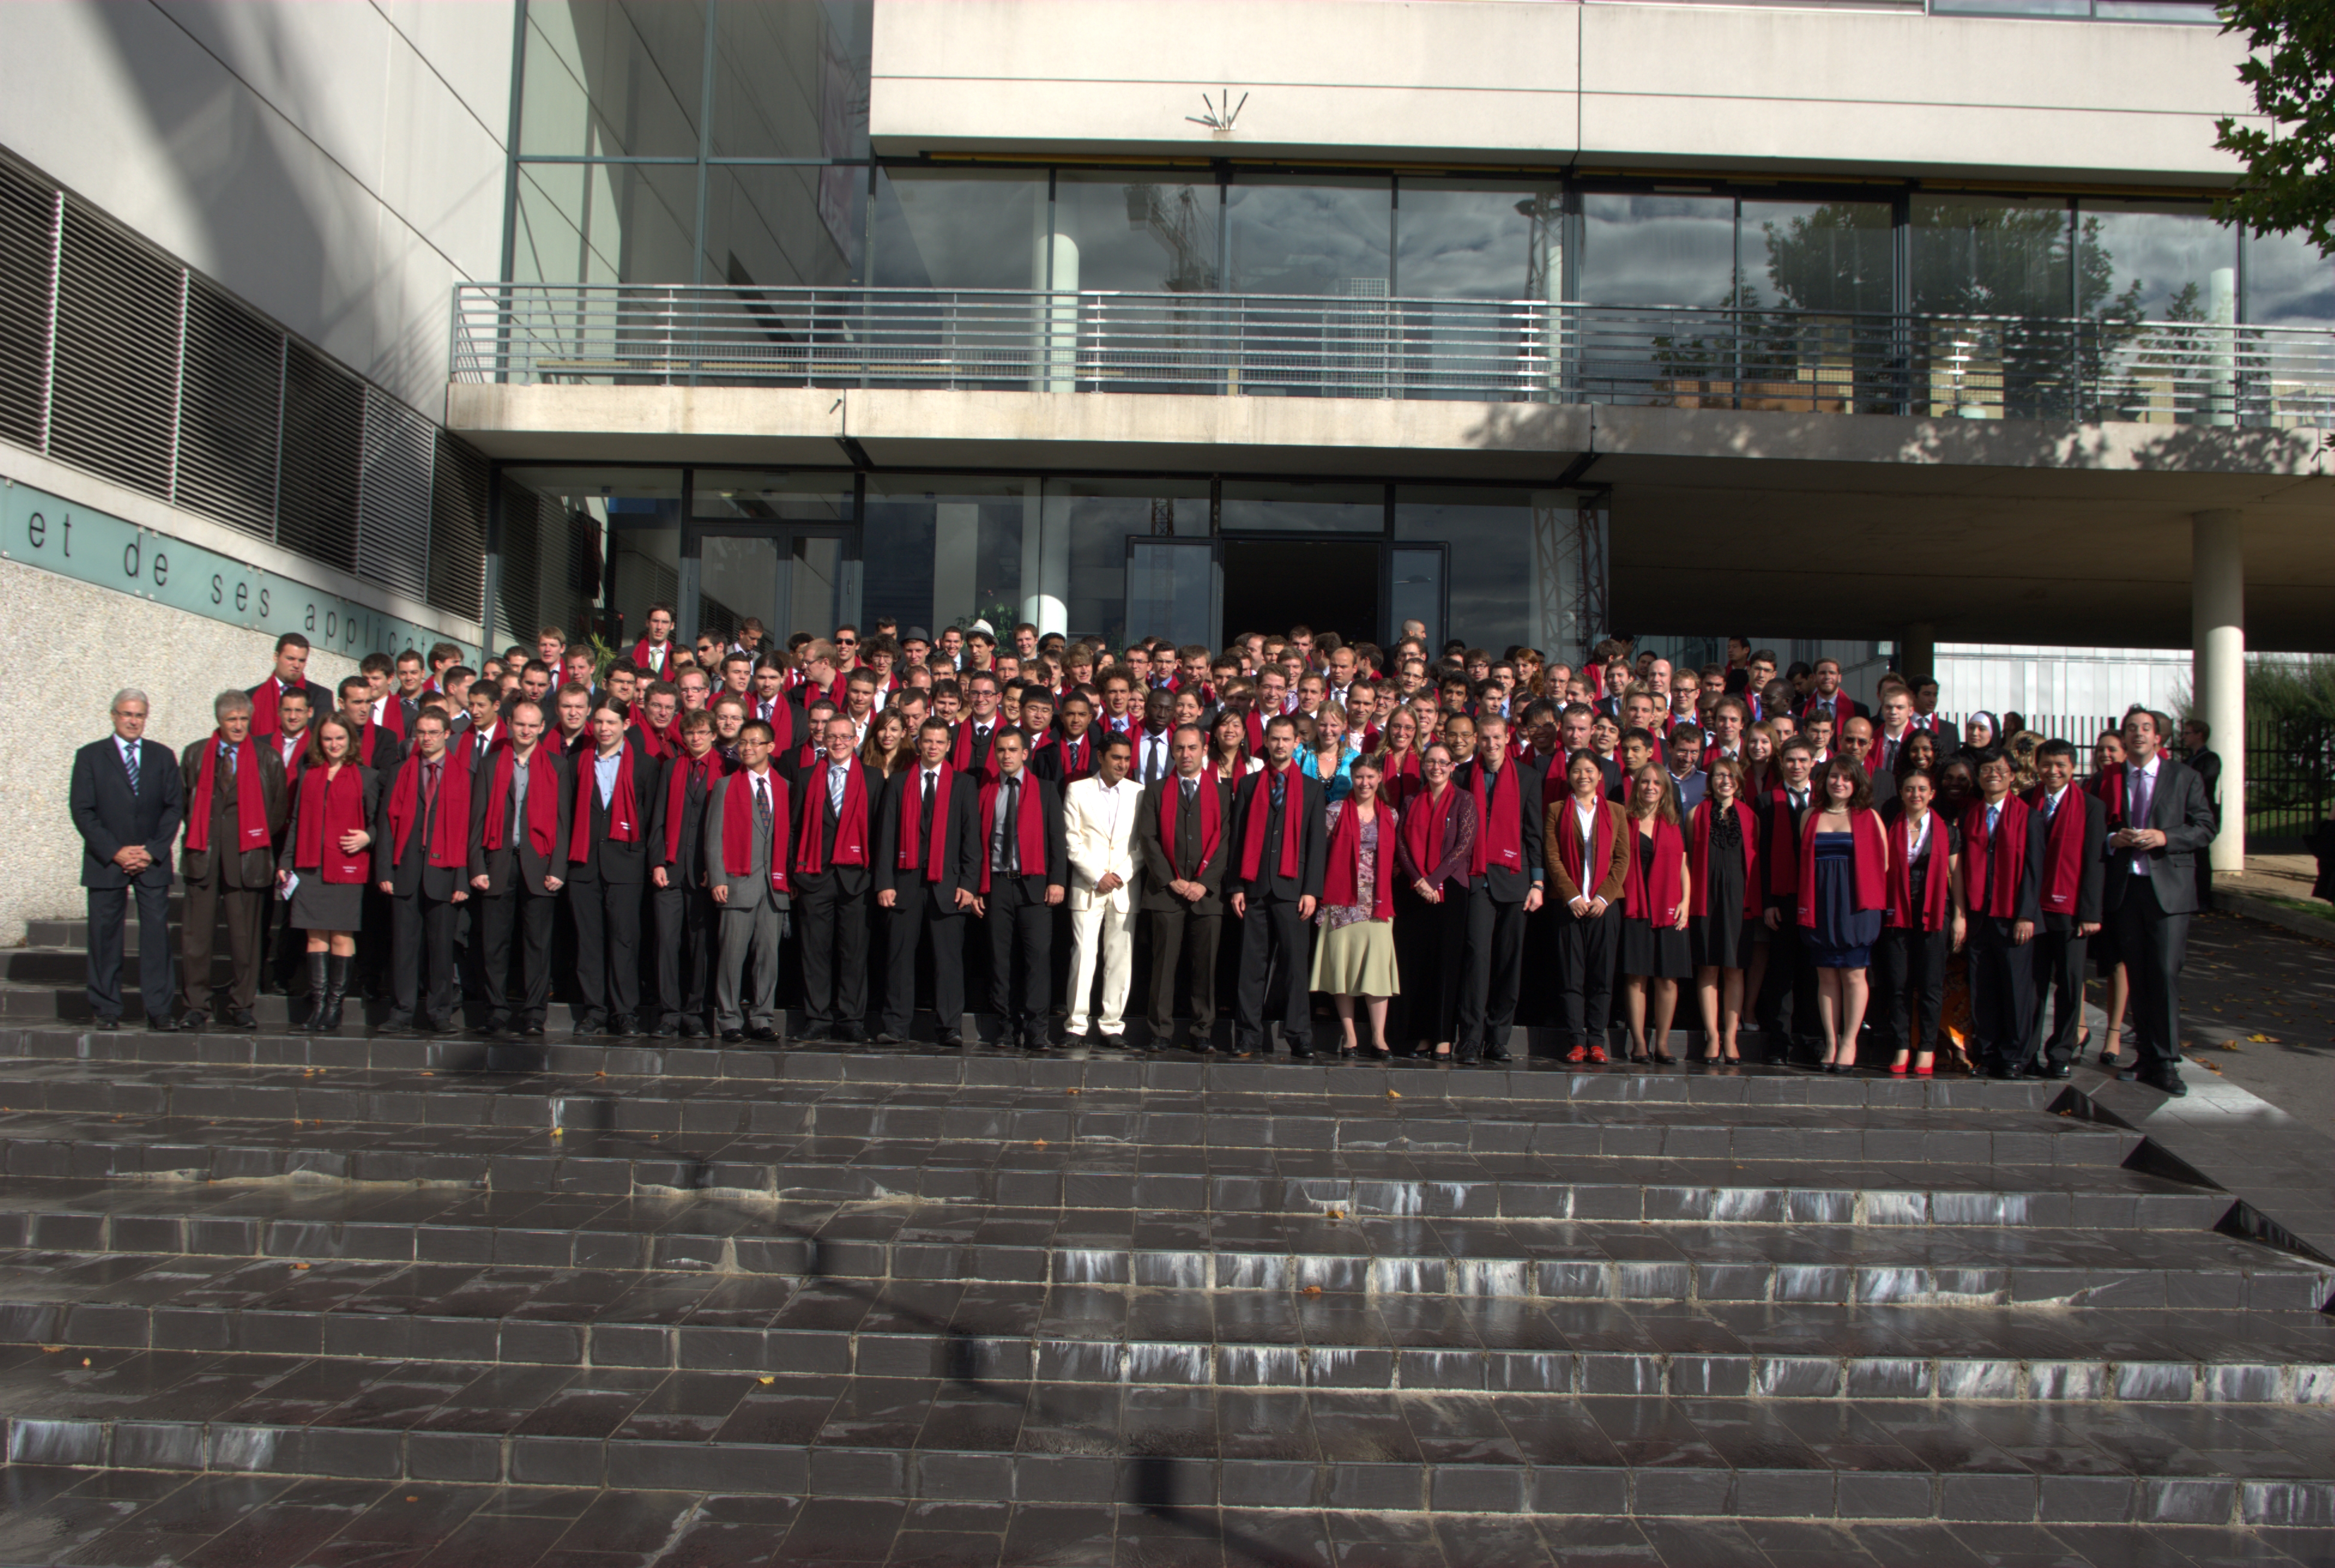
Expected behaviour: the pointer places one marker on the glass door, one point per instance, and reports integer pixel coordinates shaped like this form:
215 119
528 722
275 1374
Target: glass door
791 579
1174 589
1415 592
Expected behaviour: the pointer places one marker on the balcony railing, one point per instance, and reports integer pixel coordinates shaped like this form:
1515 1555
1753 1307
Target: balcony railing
1504 351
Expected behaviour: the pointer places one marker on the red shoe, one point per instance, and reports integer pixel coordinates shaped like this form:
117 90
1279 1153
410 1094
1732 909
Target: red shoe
1597 1054
1578 1053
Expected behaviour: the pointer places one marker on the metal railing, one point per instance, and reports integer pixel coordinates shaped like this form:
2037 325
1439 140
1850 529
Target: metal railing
1503 350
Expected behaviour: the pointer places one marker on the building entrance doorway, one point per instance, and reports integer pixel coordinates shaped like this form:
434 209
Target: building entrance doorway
1327 585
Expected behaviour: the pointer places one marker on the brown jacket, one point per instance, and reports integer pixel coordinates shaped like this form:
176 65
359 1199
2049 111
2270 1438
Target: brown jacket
1558 829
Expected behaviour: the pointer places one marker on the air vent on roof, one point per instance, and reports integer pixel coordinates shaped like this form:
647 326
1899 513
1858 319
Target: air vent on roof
28 236
113 396
393 495
324 444
230 406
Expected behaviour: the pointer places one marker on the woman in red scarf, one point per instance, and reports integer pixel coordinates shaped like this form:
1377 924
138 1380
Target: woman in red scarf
1921 928
1437 843
1655 898
1228 747
1723 862
1355 957
1397 757
1844 894
1588 862
323 867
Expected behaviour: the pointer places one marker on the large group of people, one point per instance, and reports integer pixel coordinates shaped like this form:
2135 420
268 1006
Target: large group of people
1438 845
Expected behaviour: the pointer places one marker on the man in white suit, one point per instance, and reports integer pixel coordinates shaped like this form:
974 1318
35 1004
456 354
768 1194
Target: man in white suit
1099 819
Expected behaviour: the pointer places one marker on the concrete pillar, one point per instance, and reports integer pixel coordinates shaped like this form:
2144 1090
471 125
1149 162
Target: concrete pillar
2217 599
1917 651
1062 317
1045 563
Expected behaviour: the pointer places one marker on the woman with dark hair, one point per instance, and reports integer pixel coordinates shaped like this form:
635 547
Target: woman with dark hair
324 863
1656 893
1919 753
1723 863
1844 894
1588 850
886 749
1228 746
1355 956
1922 927
1437 840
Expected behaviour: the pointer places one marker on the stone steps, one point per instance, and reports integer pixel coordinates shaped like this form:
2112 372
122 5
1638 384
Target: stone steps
909 1439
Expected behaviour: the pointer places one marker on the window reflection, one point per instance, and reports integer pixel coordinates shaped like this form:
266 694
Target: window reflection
603 223
949 550
784 225
2288 281
1833 256
1657 249
956 230
791 80
1313 239
1248 507
1471 242
1137 234
1989 256
2140 263
1089 521
612 78
1490 560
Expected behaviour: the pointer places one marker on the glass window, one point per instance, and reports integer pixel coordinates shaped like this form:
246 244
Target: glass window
1135 233
947 550
750 495
2157 264
1091 521
1252 507
1836 257
1657 249
1989 256
612 78
784 225
1490 559
603 223
2288 281
791 80
1478 242
1312 238
952 229
628 518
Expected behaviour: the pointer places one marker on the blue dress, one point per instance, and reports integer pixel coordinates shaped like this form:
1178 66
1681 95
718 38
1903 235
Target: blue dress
1844 934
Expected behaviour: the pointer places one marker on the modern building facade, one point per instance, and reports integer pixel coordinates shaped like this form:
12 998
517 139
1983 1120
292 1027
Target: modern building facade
1867 323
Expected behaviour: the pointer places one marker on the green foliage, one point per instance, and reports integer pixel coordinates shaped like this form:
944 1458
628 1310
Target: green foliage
2286 690
2289 185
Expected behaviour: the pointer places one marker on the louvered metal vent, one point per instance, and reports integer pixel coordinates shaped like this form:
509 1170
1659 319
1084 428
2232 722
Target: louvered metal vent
519 594
324 454
457 529
28 236
393 495
114 398
229 409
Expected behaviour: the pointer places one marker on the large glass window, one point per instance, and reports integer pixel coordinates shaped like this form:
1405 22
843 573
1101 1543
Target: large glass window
948 551
778 225
612 78
2288 281
953 230
1088 523
1248 507
1140 233
1989 256
606 546
1656 249
1289 237
2144 263
1829 257
1490 561
790 81
603 223
1459 241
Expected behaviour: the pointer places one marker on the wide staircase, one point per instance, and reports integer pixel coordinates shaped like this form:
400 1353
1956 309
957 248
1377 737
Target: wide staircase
280 1299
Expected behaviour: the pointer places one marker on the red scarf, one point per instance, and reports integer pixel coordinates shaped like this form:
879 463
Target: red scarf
1932 911
659 743
542 798
366 736
2109 788
1078 755
1401 780
1211 827
1698 858
450 833
1260 806
1029 825
960 752
1425 823
1568 846
704 770
1255 723
737 827
1344 872
1499 830
328 809
1784 842
1655 900
2063 849
250 802
1868 846
1990 881
914 853
393 714
850 826
657 661
624 804
780 719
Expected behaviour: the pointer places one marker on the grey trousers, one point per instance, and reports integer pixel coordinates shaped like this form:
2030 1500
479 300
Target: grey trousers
744 933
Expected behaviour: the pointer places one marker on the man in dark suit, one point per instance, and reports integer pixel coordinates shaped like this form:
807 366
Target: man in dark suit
229 860
1274 894
2074 866
925 875
616 780
2160 823
127 805
421 864
2197 750
1020 888
1183 884
683 903
1504 890
291 675
519 875
833 841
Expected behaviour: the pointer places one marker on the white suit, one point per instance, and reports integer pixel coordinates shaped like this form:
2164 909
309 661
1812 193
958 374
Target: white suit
1099 825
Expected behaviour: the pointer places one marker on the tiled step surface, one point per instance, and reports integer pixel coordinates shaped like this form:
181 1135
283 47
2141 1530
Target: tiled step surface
905 1440
136 1519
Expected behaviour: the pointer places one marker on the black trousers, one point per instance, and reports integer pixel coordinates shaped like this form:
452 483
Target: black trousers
1019 925
607 916
2058 970
1173 930
1496 955
2002 992
244 912
831 928
531 915
1909 978
109 912
920 910
1272 974
421 965
1787 1007
1588 947
685 941
2154 945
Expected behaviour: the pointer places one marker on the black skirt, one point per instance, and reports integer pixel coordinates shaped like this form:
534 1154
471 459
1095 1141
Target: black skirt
1725 937
1664 954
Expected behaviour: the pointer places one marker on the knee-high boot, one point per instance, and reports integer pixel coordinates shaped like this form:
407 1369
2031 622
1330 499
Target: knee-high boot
312 1007
337 986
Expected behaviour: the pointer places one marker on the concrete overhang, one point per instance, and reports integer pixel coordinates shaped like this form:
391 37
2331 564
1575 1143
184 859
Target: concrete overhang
1990 530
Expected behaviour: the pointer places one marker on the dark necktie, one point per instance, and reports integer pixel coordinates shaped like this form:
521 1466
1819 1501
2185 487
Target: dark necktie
932 787
429 788
761 809
1012 799
227 758
1280 789
129 764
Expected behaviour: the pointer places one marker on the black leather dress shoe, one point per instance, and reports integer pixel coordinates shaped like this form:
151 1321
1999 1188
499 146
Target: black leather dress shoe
531 1032
1497 1053
106 1025
2054 1070
161 1023
691 1027
2128 1074
952 1039
886 1037
1113 1041
2167 1082
396 1023
445 1026
732 1036
239 1018
761 1031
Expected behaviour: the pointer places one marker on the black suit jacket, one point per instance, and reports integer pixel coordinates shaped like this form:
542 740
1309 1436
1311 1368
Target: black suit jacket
804 794
1157 873
411 873
2095 866
960 836
1058 839
1510 886
687 867
607 859
107 816
519 855
1314 850
2178 809
258 867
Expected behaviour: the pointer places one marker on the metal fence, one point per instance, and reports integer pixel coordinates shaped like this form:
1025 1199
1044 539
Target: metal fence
2290 782
1500 351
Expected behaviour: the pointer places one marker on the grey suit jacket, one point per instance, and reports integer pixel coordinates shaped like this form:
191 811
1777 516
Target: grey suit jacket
749 891
2178 809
